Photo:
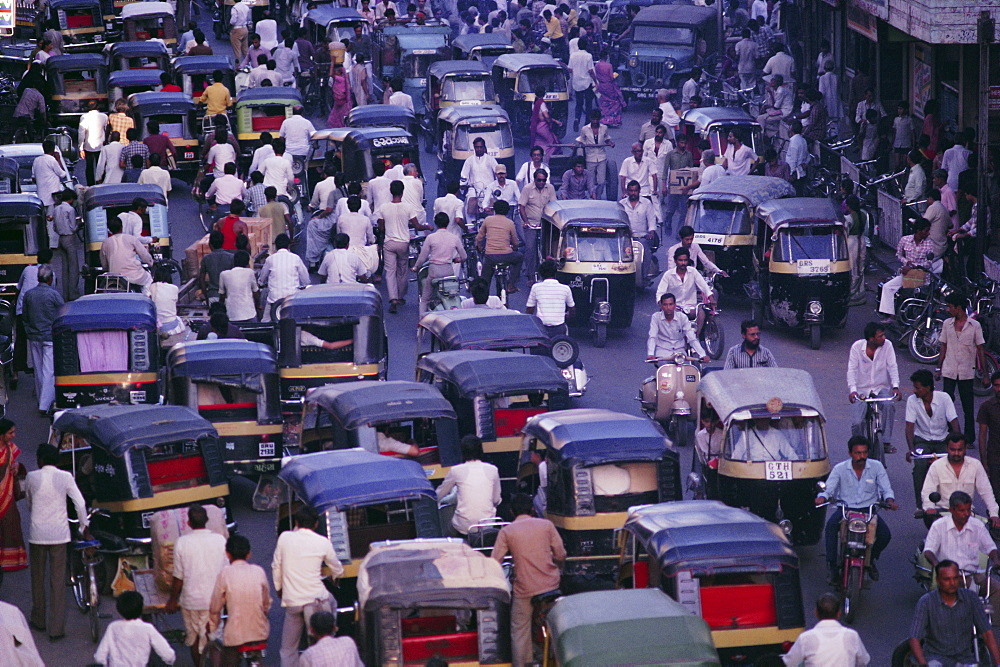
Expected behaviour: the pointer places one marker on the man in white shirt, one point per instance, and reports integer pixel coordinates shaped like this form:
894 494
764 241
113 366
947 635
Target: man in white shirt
477 484
132 221
239 19
277 170
828 643
710 171
956 159
595 135
698 256
670 331
454 208
797 156
642 221
396 218
340 264
320 200
90 138
635 168
739 158
47 490
283 274
503 189
297 571
398 97
109 163
238 288
550 300
413 190
378 187
670 117
154 174
297 131
783 64
655 151
930 417
17 644
685 283
48 172
265 151
526 174
690 88
199 557
872 372
478 170
958 472
581 69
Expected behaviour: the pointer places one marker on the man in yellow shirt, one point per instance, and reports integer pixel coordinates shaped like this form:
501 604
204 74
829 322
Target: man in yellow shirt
216 96
553 30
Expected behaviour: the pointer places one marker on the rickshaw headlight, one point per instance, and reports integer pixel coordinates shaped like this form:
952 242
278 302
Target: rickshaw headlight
670 63
603 308
786 526
857 526
220 501
568 373
633 61
815 307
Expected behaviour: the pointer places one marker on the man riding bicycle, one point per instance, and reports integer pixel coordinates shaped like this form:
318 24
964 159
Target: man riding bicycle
872 373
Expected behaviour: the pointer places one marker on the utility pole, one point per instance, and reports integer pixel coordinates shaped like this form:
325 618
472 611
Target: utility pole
986 29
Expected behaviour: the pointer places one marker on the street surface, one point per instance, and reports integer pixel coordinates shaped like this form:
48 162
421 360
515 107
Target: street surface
616 373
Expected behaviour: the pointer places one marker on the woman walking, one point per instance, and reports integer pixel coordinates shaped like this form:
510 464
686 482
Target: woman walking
542 123
12 553
341 98
611 101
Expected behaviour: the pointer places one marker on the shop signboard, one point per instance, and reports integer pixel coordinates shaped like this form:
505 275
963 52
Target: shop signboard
8 11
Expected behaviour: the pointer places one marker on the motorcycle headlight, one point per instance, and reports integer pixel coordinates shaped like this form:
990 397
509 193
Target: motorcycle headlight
670 63
857 526
815 307
633 61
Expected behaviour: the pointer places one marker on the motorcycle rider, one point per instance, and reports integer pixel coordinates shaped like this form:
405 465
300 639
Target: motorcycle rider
477 174
957 472
858 483
686 236
686 283
930 416
872 371
670 332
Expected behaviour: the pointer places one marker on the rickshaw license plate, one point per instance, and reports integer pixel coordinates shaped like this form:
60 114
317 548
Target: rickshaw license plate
778 471
710 239
188 155
266 449
147 520
137 396
552 96
812 267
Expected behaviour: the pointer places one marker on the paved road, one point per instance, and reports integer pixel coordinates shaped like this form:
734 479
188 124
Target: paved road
616 372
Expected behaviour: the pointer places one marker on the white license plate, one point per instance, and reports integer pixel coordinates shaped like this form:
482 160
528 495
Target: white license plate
710 239
813 267
778 471
137 396
266 449
188 156
552 96
147 520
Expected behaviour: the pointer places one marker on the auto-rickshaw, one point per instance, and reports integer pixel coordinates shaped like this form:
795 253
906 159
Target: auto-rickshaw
357 149
503 331
334 23
77 79
481 46
804 278
432 598
723 216
175 113
81 23
102 202
406 51
457 127
260 110
598 463
106 349
22 229
10 176
147 20
774 446
24 156
733 569
134 460
592 244
383 115
196 73
361 498
363 414
234 385
517 76
150 54
457 83
125 82
494 394
332 313
714 124
626 627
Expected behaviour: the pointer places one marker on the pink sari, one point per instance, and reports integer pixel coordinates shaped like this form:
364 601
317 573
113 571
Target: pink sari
541 129
341 102
13 556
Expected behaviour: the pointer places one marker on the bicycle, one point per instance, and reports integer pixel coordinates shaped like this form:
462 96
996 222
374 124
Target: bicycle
85 560
875 421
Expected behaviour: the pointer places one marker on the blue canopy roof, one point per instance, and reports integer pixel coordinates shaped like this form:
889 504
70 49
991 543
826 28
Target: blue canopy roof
331 303
270 94
76 61
477 372
324 14
154 103
149 48
202 64
221 358
589 436
355 404
346 478
26 204
96 312
146 76
120 428
122 194
480 329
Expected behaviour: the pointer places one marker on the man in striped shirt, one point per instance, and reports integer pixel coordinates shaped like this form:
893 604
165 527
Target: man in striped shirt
551 300
750 353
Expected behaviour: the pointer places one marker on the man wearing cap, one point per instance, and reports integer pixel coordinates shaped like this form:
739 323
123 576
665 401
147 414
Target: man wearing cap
503 189
297 131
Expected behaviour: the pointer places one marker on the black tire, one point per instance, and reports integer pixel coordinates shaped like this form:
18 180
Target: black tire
678 430
713 337
81 592
991 366
852 596
902 656
815 336
876 451
757 312
600 335
94 621
611 180
925 342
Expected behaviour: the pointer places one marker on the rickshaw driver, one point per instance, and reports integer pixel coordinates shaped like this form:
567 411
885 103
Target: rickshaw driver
858 483
123 254
477 173
686 285
764 442
216 97
670 332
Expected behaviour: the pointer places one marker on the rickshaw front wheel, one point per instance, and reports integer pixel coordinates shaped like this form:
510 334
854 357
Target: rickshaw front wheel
600 335
815 334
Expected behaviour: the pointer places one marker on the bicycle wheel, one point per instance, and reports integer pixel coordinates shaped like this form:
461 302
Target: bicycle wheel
874 434
78 581
94 598
990 366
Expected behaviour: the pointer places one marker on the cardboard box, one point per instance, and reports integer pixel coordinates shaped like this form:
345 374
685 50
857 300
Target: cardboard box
679 178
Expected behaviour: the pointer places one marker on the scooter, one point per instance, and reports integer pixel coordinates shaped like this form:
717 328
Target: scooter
670 395
446 292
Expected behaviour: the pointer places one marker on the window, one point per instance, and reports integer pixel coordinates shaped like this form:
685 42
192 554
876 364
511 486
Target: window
787 438
12 238
172 125
795 243
721 217
596 244
550 80
661 34
459 88
495 136
103 351
313 336
415 66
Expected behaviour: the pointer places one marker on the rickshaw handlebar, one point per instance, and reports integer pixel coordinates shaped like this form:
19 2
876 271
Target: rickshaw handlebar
673 358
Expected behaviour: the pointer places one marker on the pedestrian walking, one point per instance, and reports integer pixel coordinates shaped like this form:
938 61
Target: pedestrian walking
595 140
239 19
828 643
63 239
243 591
283 274
961 354
90 138
13 556
395 218
47 490
41 306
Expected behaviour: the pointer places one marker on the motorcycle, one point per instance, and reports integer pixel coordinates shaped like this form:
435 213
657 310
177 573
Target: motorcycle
920 317
711 335
670 395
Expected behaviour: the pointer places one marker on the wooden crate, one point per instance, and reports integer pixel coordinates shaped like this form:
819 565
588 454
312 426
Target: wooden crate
153 599
192 257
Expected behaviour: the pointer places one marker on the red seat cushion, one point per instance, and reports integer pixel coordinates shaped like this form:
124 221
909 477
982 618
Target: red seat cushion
452 645
739 606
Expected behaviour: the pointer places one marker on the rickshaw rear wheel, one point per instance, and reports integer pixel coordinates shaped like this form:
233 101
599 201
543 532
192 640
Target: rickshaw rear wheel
757 312
815 335
611 180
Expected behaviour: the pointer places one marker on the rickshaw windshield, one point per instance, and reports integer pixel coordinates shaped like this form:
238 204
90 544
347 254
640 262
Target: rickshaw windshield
596 244
750 134
795 243
320 343
415 65
551 79
659 34
17 236
721 217
784 439
339 31
460 89
80 81
495 136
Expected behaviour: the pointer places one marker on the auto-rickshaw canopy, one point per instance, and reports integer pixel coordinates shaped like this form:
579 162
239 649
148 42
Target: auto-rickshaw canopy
10 183
382 115
704 117
340 479
476 329
100 312
705 536
149 48
481 40
443 68
357 404
799 211
129 78
160 104
24 205
515 62
488 373
283 95
756 391
491 114
749 190
593 436
57 66
638 626
238 363
122 194
332 303
566 211
119 429
413 574
146 8
368 138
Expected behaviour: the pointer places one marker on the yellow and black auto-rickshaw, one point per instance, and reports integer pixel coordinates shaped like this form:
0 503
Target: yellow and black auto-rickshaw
713 124
481 46
457 83
774 447
260 110
149 54
733 569
518 75
102 202
357 149
598 464
234 385
592 243
457 127
804 272
80 22
142 21
106 349
383 115
22 230
432 598
175 112
77 80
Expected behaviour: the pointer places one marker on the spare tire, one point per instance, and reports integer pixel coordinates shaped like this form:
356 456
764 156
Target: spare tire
564 351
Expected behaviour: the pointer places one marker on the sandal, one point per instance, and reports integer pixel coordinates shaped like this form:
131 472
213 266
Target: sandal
888 448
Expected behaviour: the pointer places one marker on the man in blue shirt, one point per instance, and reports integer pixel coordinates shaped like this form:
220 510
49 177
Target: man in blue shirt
857 483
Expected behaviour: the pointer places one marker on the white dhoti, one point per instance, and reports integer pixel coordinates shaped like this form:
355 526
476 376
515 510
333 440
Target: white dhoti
368 255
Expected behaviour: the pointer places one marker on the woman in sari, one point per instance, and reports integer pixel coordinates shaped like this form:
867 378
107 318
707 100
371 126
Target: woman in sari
341 98
541 124
12 554
610 100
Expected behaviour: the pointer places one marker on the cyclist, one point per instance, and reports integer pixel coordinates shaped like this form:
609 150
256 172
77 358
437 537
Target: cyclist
477 174
872 372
